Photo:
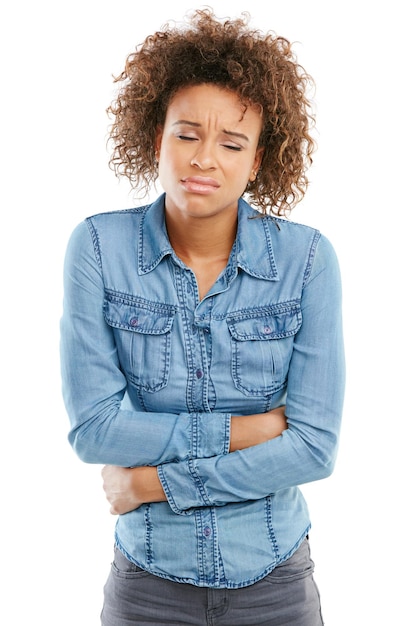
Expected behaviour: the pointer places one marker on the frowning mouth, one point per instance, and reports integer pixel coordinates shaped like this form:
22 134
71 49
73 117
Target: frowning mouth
200 184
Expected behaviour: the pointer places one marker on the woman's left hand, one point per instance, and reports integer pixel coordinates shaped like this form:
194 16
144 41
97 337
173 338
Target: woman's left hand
128 488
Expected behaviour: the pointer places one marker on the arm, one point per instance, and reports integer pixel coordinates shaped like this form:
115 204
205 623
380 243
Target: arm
127 488
94 385
307 450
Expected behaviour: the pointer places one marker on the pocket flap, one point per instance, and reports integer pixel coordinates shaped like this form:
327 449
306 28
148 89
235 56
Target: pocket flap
137 314
271 322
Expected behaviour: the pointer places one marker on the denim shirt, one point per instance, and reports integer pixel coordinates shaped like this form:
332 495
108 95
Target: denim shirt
152 374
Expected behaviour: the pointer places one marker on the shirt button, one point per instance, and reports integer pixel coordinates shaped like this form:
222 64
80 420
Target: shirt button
133 321
199 373
207 531
267 330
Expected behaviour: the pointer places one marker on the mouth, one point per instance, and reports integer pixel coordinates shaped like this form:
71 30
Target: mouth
200 184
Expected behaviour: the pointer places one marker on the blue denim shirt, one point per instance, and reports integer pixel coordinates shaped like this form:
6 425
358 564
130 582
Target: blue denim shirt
151 376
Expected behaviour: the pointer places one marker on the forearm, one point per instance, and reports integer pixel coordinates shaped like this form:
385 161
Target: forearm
249 474
251 430
133 438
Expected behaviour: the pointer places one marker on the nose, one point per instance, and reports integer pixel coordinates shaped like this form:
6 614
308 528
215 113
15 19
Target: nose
204 156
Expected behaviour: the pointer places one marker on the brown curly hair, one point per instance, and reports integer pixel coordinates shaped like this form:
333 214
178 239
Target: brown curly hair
261 68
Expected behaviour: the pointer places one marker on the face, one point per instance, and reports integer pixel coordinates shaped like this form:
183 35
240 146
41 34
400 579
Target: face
207 151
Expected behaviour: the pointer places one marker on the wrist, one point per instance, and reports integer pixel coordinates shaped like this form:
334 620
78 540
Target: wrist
147 485
240 432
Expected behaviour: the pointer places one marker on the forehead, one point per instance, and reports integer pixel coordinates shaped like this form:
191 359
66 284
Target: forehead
197 103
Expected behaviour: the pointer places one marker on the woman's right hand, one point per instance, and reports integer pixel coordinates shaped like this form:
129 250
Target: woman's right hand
250 430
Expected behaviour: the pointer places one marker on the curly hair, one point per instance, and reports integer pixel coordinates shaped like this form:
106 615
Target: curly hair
260 68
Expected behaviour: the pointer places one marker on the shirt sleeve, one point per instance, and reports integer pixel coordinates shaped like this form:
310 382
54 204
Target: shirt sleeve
93 385
307 450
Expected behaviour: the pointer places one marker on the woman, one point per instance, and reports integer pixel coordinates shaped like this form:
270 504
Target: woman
202 352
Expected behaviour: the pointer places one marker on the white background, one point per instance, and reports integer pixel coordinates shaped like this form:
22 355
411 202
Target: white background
57 62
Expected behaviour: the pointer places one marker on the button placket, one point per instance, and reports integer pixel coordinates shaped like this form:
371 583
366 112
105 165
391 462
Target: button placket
195 343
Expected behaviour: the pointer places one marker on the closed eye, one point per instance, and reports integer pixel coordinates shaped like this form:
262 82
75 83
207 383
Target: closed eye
232 147
228 146
187 138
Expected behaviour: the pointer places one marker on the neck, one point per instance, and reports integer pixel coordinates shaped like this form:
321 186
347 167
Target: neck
202 238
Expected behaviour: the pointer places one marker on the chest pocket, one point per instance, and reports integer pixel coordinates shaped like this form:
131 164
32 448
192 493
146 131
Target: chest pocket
262 341
142 331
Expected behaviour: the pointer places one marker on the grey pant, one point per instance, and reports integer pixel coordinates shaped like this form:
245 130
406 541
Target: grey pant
288 596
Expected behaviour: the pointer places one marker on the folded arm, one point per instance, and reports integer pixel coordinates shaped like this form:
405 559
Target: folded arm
128 488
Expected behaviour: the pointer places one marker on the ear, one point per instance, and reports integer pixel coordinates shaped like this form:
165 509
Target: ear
258 158
256 163
158 141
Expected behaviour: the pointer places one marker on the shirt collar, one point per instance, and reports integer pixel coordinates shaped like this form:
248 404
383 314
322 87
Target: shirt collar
153 243
252 251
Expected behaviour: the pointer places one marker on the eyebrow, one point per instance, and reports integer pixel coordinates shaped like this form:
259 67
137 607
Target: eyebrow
231 133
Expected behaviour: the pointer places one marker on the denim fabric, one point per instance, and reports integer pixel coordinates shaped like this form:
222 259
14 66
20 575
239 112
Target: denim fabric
151 376
288 595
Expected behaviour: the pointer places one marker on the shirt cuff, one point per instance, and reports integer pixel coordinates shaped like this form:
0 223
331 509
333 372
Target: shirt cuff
183 487
210 434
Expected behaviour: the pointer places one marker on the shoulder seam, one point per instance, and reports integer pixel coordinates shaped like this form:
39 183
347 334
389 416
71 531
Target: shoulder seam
95 240
311 255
